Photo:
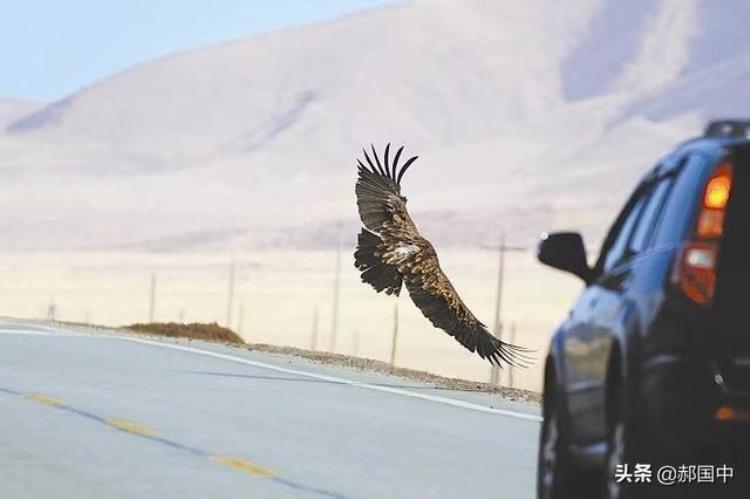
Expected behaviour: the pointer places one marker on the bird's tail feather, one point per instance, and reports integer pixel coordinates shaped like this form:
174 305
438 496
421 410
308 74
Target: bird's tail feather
379 275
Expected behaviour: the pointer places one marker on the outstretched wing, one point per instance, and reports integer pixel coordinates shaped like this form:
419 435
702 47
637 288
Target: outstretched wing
391 251
382 209
433 293
381 205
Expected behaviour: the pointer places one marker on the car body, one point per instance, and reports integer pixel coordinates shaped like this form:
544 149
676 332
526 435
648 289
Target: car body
653 360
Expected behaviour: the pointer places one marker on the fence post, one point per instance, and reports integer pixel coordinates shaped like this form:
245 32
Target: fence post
230 293
152 299
336 290
394 340
241 321
355 343
512 340
314 335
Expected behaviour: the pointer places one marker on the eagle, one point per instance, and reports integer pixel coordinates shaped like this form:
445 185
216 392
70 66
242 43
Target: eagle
392 253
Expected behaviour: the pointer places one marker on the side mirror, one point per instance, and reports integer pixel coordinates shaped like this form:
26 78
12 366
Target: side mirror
565 251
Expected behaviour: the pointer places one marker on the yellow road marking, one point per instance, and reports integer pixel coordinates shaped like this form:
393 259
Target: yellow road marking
131 427
235 462
43 399
244 465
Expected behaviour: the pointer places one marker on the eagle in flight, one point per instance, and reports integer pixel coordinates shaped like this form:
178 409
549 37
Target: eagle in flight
391 252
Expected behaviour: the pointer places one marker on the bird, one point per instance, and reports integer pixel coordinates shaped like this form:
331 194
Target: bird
391 254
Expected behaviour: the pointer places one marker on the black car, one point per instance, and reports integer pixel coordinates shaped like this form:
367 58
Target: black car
652 365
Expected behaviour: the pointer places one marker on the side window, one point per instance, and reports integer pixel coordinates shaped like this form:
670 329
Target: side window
643 233
680 207
618 250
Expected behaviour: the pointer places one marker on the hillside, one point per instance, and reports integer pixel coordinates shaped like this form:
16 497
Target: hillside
528 116
13 109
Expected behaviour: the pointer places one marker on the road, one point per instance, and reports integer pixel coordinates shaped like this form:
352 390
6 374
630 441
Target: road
98 415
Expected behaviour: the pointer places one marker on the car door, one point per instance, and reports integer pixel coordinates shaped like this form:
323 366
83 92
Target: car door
627 275
580 344
601 309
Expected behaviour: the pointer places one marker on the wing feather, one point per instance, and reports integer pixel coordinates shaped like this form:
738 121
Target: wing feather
379 197
439 302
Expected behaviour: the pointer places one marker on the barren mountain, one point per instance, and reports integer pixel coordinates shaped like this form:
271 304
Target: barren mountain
527 116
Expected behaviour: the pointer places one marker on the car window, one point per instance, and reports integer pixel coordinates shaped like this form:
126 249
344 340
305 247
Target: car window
734 264
652 208
678 211
618 250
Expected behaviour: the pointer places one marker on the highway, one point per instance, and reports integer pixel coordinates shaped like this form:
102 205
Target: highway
104 415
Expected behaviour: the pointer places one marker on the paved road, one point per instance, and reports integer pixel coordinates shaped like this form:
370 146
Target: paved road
104 416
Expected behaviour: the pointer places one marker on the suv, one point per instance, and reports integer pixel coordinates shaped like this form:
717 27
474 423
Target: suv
652 365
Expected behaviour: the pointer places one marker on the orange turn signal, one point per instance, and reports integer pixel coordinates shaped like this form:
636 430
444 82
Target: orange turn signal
717 191
725 413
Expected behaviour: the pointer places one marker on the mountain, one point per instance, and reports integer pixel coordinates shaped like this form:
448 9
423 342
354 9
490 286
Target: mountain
13 109
527 116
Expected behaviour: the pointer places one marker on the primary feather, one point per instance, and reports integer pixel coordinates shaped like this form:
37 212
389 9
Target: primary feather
391 252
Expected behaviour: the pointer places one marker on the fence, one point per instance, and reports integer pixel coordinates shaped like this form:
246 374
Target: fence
286 298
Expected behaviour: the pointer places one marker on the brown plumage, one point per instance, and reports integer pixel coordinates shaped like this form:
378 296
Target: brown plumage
391 252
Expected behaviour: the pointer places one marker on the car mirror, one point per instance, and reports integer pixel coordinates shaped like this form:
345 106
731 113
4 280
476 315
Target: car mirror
565 251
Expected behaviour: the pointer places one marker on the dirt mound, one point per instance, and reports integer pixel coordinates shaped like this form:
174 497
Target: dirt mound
193 331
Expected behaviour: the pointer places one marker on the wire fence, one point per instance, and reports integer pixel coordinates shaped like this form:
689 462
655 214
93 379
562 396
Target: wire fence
294 298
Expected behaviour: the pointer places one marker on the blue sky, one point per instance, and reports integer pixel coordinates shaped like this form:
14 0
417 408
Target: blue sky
52 47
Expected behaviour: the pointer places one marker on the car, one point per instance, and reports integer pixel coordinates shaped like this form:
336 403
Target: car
652 365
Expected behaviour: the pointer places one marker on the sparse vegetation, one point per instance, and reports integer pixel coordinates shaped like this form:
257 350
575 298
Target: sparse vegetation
193 331
441 382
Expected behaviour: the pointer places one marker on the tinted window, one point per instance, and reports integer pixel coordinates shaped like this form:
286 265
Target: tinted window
653 205
679 209
732 300
619 248
735 248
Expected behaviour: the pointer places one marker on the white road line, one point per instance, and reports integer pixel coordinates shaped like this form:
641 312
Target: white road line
396 391
31 332
38 329
53 331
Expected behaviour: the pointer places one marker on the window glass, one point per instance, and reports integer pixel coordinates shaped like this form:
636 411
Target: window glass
731 301
735 248
643 233
678 211
618 250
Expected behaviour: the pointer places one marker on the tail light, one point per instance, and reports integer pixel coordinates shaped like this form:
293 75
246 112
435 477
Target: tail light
695 269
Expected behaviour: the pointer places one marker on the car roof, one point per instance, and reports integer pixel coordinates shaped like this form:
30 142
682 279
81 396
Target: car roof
713 143
713 147
720 137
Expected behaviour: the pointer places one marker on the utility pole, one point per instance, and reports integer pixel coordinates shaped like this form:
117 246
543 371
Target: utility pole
230 293
512 339
394 340
336 290
498 325
152 299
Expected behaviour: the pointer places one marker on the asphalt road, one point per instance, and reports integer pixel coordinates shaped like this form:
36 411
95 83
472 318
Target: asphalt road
105 416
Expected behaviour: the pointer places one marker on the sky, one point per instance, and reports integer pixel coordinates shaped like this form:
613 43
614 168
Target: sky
52 48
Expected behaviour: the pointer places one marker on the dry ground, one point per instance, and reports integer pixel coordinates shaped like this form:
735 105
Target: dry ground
216 333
